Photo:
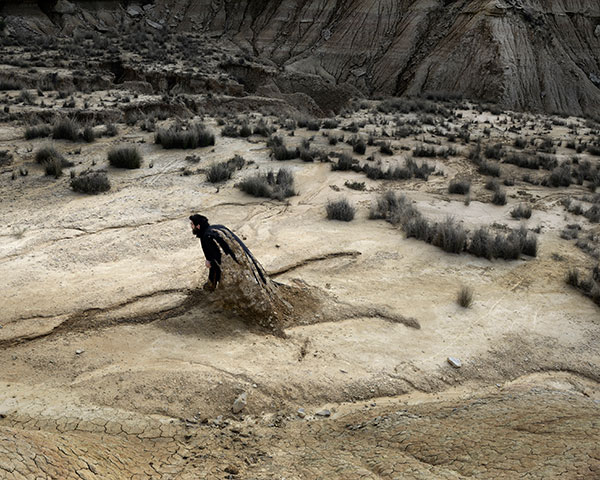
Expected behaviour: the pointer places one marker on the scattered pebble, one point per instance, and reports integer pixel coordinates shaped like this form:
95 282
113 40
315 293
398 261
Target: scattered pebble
323 413
455 362
232 470
301 413
240 403
79 352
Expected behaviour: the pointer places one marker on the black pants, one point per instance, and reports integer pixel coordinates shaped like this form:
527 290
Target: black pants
214 274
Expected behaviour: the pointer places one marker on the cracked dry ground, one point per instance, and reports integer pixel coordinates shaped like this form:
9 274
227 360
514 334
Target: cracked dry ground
109 277
528 429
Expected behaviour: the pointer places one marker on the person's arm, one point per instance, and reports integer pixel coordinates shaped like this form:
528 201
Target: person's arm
211 250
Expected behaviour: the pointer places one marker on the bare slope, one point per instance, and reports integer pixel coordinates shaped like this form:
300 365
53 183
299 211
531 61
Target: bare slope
521 54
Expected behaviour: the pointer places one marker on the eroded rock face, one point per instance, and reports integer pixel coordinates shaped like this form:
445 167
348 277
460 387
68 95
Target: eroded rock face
521 54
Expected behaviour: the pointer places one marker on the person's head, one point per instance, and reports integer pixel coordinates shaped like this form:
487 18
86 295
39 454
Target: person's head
198 223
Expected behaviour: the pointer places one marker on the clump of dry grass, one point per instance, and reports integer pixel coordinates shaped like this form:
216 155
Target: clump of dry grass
465 296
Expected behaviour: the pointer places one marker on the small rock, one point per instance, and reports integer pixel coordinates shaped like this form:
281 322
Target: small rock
79 352
373 404
134 11
254 385
240 403
218 420
301 413
64 7
597 31
343 371
455 362
498 385
323 413
232 470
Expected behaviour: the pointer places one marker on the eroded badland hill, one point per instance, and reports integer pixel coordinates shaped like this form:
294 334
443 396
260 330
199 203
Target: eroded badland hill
433 304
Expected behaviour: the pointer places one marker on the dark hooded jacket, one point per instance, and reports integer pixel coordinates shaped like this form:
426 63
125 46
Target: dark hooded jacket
214 239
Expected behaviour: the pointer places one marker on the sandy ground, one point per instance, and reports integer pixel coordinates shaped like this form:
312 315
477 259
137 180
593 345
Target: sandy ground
106 376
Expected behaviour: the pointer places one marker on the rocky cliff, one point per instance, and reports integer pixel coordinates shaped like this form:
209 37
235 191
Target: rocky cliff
529 54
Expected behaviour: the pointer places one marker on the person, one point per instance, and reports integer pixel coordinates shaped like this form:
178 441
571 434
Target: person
216 239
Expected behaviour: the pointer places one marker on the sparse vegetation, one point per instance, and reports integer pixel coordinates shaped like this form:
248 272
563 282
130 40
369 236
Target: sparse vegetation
340 210
37 131
277 186
330 123
6 158
533 162
263 129
223 171
459 186
355 185
91 182
520 143
125 157
345 162
47 153
111 130
451 236
66 129
521 211
88 134
54 167
499 197
493 151
559 177
410 170
359 146
465 297
280 151
386 148
192 136
489 168
589 284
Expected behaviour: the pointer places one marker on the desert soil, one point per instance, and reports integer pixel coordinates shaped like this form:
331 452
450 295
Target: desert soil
116 365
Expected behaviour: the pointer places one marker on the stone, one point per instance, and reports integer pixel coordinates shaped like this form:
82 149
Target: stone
597 31
79 352
455 362
232 470
240 403
134 11
323 413
301 413
64 7
153 24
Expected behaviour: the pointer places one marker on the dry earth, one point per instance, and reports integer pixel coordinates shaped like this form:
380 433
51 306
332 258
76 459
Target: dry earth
536 55
116 365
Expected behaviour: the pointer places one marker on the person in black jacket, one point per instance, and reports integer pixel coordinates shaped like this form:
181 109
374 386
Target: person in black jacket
217 239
